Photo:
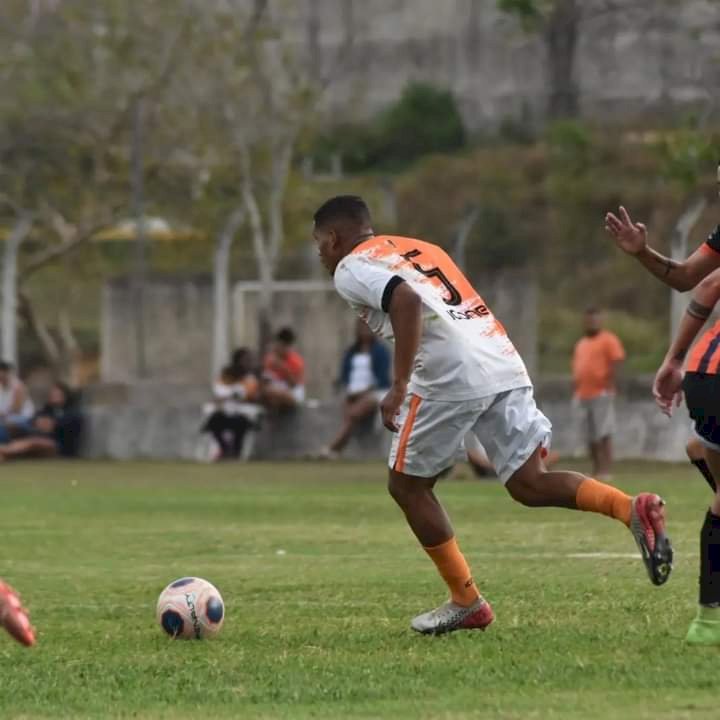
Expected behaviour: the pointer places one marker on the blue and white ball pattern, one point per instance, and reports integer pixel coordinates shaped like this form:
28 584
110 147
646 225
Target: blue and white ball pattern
190 608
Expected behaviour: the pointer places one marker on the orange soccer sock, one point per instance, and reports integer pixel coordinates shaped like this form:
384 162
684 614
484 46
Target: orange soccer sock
455 571
597 497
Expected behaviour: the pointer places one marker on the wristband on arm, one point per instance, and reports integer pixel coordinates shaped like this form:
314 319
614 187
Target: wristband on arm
696 310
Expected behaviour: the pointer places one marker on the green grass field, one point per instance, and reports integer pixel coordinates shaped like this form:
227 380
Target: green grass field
320 577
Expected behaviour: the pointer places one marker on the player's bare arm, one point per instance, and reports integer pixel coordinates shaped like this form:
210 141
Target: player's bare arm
631 237
406 318
668 381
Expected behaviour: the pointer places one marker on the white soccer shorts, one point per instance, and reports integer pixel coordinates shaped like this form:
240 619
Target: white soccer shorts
508 425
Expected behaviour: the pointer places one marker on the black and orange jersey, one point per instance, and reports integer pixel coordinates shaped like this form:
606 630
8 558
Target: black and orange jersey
705 356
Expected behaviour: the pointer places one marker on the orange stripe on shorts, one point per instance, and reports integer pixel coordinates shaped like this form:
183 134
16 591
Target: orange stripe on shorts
405 432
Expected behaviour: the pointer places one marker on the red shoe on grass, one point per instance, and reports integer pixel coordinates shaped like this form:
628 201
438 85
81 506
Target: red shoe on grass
13 617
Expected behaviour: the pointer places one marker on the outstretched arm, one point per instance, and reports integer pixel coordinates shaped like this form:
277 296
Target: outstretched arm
631 237
668 380
406 317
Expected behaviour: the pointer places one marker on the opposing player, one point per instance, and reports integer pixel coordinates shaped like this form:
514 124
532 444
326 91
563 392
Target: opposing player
456 371
13 617
701 384
632 238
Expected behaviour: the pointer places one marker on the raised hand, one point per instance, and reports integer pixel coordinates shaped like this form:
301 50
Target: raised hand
629 236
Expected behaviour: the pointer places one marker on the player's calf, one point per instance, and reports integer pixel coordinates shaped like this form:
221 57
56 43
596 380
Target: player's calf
705 629
696 454
644 515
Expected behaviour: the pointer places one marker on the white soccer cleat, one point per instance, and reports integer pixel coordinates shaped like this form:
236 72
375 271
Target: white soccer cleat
450 616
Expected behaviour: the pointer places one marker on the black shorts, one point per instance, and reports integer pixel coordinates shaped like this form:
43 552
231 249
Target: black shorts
702 395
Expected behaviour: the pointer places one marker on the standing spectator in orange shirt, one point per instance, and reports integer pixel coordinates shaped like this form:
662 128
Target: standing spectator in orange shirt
283 373
595 362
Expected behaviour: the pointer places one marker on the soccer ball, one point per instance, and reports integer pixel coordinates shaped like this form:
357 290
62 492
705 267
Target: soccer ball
190 608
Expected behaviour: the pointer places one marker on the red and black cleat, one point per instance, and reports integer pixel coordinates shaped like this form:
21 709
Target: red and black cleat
647 524
14 617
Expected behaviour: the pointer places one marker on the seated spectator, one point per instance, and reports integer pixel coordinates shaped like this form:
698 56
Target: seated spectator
365 376
54 431
16 407
234 411
283 373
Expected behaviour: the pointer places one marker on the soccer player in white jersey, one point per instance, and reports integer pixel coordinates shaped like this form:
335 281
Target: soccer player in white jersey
456 371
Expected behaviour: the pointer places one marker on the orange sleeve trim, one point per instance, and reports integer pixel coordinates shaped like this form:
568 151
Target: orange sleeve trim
406 431
708 249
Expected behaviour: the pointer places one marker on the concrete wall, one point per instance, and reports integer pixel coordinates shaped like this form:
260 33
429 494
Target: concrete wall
178 325
161 421
635 58
643 432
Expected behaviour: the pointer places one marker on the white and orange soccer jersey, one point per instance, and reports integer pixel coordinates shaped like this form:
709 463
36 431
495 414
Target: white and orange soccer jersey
464 351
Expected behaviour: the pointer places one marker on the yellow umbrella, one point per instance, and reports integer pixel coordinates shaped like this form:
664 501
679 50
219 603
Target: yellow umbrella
155 229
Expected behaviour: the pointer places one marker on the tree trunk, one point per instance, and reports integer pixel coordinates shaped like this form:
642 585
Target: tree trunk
40 330
140 270
678 251
221 290
69 349
561 33
266 244
10 290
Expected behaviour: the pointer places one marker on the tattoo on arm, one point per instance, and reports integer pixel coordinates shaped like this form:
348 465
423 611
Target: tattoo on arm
664 262
680 355
696 310
669 265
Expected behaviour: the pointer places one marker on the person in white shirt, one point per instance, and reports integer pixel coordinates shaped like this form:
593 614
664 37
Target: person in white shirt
16 406
365 377
455 371
235 408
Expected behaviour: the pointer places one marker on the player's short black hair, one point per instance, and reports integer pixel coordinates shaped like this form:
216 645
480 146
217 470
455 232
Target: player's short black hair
342 207
5 366
286 336
592 310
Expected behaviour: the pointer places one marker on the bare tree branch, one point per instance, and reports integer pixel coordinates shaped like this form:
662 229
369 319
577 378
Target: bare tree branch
254 214
71 237
221 324
280 174
38 328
